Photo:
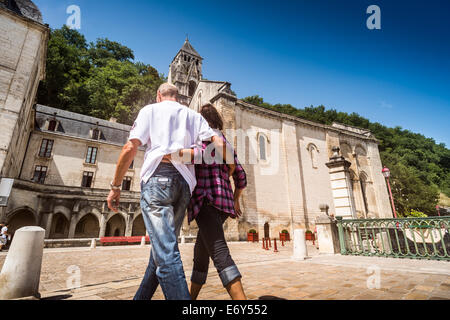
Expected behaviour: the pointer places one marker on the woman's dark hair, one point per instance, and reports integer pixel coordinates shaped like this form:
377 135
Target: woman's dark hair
210 113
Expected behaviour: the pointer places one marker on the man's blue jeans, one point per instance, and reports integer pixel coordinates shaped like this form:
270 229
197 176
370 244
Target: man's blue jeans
164 199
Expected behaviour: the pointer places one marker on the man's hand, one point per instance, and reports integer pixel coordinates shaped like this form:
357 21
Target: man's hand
113 200
237 208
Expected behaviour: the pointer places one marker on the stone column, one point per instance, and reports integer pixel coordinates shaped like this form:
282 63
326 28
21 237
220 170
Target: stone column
72 226
341 185
22 269
103 225
48 224
327 235
128 226
300 251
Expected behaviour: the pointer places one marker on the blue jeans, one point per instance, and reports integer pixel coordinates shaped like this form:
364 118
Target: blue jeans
164 199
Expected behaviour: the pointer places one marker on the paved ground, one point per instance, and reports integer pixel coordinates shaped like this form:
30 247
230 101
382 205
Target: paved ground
115 273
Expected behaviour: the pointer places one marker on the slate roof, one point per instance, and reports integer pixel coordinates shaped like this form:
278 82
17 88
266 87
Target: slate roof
24 8
80 126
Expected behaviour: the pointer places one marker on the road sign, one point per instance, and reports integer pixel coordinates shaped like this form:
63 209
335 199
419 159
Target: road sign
5 190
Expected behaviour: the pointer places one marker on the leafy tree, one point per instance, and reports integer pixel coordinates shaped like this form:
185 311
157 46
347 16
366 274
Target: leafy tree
100 79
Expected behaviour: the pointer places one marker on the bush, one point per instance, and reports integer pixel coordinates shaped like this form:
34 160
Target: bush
284 231
415 214
308 231
252 231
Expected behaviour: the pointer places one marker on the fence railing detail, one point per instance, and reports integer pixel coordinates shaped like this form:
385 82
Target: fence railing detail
417 238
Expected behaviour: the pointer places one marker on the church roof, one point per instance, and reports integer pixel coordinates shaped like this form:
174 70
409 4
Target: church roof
24 8
187 47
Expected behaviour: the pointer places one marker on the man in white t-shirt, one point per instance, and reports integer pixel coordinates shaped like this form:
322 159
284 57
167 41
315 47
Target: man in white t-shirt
166 128
3 235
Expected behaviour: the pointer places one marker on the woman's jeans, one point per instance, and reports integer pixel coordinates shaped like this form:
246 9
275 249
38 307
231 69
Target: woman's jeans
211 243
164 199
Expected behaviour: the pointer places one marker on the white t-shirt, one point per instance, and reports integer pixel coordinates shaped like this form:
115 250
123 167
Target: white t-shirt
167 127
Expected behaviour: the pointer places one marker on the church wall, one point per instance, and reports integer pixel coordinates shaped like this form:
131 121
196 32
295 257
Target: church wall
313 149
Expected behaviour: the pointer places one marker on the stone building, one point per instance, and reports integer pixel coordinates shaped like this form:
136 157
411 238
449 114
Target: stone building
62 162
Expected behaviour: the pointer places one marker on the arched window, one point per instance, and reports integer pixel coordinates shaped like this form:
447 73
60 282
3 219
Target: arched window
199 100
313 153
363 182
262 147
192 87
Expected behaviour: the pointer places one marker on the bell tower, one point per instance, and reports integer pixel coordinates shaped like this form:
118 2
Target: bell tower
185 72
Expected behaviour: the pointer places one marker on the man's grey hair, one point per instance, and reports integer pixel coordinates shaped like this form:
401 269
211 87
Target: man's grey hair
168 90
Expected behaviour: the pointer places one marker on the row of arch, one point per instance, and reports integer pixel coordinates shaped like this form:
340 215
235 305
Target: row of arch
86 226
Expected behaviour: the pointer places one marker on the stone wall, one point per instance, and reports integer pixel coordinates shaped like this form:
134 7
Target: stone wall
22 65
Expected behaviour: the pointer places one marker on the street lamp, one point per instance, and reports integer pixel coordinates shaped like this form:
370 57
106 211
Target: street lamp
387 173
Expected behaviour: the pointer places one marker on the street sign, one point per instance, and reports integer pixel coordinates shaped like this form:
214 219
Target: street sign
5 190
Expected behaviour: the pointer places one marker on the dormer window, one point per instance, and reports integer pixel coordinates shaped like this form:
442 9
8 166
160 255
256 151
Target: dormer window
95 134
52 125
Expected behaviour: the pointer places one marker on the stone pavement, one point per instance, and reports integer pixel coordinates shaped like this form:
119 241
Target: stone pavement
116 272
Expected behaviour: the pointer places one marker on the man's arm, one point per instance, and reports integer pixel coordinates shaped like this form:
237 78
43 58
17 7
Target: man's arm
127 155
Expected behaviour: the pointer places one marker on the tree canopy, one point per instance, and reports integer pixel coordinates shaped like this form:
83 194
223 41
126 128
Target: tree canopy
98 79
420 168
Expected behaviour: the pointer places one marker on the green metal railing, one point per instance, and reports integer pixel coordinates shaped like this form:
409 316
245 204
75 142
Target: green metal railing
417 238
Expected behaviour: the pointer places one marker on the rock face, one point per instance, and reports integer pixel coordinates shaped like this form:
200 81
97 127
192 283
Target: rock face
25 8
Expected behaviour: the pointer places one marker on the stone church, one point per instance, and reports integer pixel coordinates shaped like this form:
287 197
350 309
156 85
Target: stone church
62 162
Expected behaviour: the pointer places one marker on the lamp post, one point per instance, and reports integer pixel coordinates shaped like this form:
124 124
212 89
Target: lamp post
386 173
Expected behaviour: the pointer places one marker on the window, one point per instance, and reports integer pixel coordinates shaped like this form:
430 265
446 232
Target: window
46 148
95 134
126 184
52 125
313 153
40 173
262 147
87 179
91 156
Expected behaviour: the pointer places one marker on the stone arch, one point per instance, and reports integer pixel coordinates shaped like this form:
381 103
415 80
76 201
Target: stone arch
88 226
346 151
89 210
313 153
115 226
138 226
21 217
263 146
66 212
60 227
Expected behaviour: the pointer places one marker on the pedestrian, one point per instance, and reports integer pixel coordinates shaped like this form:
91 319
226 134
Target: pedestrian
3 235
211 204
165 127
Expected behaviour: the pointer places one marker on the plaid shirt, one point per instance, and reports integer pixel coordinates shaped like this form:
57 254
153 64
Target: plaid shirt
213 184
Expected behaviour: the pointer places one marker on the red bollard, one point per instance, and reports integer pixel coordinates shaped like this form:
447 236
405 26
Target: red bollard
282 242
270 243
275 245
263 246
267 245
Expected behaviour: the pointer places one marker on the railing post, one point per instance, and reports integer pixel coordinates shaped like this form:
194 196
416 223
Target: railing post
341 235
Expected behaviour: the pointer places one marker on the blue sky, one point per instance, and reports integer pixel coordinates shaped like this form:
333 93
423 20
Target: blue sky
298 52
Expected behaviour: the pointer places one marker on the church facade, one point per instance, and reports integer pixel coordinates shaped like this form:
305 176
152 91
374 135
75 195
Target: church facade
62 162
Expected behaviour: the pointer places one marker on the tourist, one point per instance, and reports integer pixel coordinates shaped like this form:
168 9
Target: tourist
166 185
3 235
211 204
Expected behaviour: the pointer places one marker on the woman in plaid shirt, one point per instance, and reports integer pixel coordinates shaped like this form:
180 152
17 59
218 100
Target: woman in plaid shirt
212 202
